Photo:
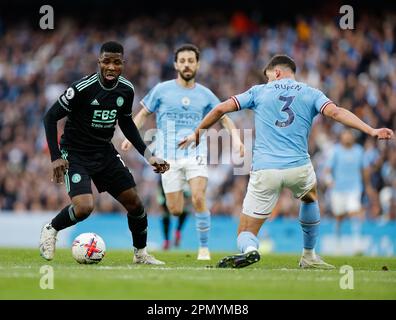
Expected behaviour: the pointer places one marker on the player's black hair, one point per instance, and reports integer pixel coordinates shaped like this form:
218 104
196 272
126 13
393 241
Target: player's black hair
187 47
112 46
280 60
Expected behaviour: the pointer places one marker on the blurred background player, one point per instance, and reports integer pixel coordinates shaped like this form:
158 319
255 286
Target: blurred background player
93 105
284 111
166 219
180 104
345 173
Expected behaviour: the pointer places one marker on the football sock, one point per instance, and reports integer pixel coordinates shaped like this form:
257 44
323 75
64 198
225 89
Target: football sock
137 223
247 242
181 220
203 227
309 216
165 225
66 218
309 253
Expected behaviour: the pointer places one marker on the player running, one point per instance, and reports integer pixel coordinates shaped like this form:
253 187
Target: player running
93 105
180 104
284 110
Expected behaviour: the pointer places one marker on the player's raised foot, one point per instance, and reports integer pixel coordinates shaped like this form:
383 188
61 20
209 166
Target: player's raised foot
177 238
239 260
48 241
314 263
203 254
142 257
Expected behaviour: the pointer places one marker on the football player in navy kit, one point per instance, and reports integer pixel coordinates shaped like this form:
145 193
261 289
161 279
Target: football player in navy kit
93 105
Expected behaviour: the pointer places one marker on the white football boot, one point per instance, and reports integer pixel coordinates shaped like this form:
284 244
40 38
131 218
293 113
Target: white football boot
48 241
314 263
142 257
203 254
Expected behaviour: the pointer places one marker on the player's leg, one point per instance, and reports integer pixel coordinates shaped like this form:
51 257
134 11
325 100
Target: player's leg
165 217
339 210
262 195
202 215
302 182
166 226
137 223
180 223
116 179
172 184
78 185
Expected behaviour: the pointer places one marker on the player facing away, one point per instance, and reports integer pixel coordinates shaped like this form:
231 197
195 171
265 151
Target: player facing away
284 110
345 173
93 105
180 104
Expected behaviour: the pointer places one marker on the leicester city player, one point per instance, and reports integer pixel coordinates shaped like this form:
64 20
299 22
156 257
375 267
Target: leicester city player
284 110
180 104
93 106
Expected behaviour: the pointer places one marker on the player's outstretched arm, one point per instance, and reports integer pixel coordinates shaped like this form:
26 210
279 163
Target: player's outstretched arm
130 131
227 123
51 118
211 118
139 121
347 118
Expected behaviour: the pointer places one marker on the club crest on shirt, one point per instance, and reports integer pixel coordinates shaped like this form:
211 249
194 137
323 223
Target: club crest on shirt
185 102
120 101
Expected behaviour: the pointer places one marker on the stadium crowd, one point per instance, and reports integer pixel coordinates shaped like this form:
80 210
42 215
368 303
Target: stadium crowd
355 68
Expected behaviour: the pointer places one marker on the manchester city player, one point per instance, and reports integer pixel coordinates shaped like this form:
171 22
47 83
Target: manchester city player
180 105
284 110
93 106
345 173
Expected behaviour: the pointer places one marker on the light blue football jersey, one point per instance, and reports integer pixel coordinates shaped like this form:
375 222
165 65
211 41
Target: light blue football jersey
284 111
179 111
346 167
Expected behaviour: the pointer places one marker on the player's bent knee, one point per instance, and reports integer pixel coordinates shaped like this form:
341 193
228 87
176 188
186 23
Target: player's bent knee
136 210
199 203
82 211
175 210
310 196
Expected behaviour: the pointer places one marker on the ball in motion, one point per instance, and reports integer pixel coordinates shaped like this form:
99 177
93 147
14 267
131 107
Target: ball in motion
88 248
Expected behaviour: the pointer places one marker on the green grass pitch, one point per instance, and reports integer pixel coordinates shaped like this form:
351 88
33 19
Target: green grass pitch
183 277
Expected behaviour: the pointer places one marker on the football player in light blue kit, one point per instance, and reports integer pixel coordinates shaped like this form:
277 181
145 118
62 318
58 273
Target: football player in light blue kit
180 105
345 173
284 110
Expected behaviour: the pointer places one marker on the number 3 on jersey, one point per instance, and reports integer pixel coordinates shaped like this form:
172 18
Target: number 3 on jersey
286 108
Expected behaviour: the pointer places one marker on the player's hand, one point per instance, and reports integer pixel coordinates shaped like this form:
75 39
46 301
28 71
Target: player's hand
187 141
241 148
126 145
160 165
59 168
382 133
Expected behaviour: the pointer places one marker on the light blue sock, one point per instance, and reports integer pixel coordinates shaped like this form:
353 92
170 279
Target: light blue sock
247 239
310 219
202 223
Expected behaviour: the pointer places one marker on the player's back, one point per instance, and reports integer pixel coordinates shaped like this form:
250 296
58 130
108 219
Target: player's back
284 111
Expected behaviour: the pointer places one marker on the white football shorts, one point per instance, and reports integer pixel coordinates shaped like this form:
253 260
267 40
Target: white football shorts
265 187
182 170
345 202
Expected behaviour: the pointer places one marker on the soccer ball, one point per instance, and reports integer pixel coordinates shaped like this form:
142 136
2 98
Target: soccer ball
88 248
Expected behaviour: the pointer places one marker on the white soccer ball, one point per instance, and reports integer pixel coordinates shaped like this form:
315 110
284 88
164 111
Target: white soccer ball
88 248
